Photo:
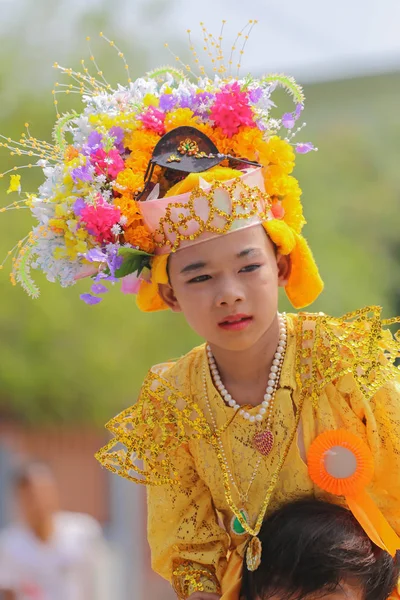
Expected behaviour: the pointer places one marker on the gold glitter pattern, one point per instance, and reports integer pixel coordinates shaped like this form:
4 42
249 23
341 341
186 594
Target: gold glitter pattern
189 578
338 372
246 203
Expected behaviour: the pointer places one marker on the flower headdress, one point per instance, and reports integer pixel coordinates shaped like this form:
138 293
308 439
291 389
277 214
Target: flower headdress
106 207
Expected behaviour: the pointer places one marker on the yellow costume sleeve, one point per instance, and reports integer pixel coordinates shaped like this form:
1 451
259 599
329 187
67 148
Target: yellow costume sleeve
381 418
151 445
188 546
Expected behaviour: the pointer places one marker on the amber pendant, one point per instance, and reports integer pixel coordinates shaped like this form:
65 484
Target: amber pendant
263 442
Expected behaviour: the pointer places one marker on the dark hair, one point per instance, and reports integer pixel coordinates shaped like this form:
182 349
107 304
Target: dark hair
310 546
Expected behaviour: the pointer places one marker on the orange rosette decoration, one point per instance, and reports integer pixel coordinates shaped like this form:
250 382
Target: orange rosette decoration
342 465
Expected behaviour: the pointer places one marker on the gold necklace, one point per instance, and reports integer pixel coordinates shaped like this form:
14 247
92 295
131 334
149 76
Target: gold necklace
236 526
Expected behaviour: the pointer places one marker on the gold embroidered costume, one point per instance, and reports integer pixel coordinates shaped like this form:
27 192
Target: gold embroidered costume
336 373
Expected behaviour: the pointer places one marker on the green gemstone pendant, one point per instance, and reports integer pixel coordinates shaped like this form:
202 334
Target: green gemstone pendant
236 526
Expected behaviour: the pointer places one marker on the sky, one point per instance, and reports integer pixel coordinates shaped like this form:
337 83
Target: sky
311 39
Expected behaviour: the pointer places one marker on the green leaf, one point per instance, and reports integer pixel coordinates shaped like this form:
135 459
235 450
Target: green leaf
134 261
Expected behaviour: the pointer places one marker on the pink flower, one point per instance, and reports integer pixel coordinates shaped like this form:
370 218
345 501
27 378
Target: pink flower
130 284
99 219
231 109
107 163
153 119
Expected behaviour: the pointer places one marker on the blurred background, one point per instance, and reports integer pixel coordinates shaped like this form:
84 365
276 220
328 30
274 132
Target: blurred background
65 367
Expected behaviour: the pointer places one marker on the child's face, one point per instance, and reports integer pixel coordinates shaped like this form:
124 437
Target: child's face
227 287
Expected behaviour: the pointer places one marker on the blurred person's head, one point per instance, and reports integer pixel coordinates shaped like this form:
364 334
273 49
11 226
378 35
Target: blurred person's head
37 493
313 550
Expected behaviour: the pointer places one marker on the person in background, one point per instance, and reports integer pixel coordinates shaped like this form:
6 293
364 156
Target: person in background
48 554
313 549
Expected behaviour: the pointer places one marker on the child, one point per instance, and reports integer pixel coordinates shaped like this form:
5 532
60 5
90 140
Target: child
313 549
183 189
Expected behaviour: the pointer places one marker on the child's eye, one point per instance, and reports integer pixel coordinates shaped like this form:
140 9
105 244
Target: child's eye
249 268
199 279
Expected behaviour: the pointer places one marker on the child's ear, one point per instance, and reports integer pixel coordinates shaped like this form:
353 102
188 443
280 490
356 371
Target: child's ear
284 269
167 294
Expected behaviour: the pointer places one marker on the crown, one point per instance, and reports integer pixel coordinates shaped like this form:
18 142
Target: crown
207 211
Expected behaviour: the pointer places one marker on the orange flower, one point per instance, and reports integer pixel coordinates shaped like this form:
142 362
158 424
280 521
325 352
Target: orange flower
223 143
246 141
138 235
142 141
129 209
70 153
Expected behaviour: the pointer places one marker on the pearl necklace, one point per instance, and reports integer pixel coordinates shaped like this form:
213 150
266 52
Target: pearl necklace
266 407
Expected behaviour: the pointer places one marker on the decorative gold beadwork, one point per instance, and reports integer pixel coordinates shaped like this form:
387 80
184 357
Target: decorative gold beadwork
173 158
189 147
251 202
189 577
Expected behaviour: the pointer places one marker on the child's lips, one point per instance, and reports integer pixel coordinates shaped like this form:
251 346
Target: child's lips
236 322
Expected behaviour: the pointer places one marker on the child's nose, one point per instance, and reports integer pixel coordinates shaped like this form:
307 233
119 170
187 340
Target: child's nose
229 295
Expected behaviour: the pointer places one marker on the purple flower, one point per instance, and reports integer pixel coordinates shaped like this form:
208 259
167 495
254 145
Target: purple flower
89 299
118 134
202 103
82 174
167 102
304 148
94 140
96 255
114 261
79 206
297 112
99 288
288 120
186 100
255 95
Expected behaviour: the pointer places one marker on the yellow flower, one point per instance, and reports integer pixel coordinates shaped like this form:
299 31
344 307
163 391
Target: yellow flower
126 121
15 184
246 141
180 116
276 152
60 253
58 225
60 210
150 100
128 182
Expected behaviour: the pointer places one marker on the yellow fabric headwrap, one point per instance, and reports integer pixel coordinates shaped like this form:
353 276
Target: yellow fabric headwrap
304 284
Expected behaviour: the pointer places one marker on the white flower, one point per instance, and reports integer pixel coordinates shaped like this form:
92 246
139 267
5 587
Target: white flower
107 194
42 210
101 179
62 270
116 229
123 220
